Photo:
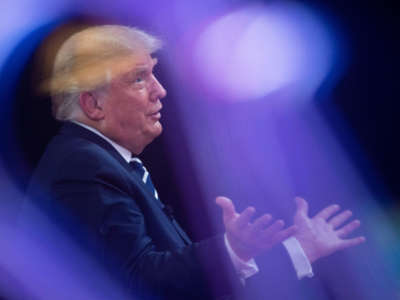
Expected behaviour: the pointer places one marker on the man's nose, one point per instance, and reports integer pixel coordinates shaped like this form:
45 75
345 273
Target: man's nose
158 90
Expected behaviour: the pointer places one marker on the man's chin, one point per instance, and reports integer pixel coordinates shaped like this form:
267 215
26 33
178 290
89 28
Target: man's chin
159 127
156 130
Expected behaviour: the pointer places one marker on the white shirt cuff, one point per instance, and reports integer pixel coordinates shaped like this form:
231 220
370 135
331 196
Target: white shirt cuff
245 269
299 259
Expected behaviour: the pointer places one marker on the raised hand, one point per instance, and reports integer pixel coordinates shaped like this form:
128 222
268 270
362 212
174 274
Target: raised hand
323 234
249 239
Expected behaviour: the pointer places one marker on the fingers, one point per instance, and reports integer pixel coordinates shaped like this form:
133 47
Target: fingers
284 234
245 217
261 223
340 218
228 209
274 233
351 242
273 229
302 206
327 212
346 230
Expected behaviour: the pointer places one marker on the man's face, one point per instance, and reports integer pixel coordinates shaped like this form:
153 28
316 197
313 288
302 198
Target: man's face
132 106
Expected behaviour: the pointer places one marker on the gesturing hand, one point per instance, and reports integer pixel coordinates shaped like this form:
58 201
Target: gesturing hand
248 239
319 236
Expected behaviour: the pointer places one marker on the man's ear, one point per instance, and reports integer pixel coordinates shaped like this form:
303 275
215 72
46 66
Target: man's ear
91 106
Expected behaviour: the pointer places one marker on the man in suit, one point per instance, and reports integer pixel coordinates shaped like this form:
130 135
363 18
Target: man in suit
104 89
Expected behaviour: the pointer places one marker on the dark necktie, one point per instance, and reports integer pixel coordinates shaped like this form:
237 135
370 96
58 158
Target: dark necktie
142 172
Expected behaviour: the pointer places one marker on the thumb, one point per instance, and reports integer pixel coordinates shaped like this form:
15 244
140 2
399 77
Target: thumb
228 209
302 206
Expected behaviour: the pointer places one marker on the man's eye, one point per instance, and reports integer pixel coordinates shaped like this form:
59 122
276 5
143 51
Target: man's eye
138 80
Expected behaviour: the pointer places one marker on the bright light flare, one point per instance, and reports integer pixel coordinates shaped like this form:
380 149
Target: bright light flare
257 50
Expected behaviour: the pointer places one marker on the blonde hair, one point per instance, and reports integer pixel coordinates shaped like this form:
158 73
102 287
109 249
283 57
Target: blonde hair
91 58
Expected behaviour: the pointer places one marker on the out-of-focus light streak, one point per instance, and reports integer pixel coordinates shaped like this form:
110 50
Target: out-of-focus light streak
253 51
45 263
19 17
263 153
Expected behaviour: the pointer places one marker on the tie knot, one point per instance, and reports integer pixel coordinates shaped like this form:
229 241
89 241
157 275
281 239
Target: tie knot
135 160
139 168
136 163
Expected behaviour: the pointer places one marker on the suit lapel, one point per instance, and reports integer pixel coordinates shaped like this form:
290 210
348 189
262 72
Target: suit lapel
70 128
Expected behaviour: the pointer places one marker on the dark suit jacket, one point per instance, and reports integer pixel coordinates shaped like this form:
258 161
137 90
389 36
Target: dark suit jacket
91 191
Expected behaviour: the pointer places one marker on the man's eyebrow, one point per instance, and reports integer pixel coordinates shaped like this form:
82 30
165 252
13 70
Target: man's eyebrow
140 69
144 67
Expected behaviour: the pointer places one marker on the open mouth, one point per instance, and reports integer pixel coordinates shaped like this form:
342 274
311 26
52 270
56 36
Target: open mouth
156 115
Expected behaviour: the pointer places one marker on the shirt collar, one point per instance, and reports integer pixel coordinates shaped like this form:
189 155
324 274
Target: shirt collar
125 153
